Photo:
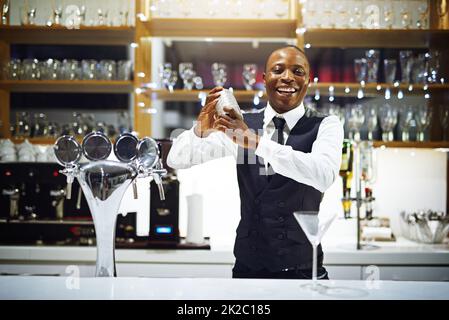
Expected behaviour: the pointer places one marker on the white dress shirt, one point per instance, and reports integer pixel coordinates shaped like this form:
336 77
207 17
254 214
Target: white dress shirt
318 169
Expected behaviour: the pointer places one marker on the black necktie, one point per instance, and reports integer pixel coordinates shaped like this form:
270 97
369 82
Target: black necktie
278 136
279 124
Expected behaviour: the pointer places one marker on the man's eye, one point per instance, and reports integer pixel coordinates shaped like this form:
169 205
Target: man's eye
277 70
300 72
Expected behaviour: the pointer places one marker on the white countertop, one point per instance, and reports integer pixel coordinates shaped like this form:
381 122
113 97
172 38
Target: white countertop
402 252
212 289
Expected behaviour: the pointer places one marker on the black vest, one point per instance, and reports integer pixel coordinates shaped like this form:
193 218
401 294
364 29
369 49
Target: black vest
268 236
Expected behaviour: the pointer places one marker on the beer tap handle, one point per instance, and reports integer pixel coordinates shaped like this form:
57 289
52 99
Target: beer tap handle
158 181
78 200
135 189
69 186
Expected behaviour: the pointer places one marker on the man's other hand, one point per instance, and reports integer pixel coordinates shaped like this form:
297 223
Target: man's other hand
236 129
208 114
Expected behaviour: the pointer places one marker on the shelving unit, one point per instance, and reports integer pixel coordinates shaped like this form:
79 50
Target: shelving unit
58 35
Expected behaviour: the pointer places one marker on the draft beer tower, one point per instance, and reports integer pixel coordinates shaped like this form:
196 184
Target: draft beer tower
104 182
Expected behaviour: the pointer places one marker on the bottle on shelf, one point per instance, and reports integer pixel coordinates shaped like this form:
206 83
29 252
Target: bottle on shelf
346 172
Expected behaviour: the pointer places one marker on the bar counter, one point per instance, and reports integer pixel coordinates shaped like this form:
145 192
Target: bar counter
213 289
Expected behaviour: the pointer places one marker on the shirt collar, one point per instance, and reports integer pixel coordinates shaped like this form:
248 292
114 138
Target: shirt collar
291 117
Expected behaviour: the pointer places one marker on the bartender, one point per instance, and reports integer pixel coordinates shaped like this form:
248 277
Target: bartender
287 157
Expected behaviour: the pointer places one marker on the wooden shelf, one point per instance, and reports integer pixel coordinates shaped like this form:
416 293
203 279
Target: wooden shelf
381 38
371 89
34 140
62 35
413 144
87 86
237 28
193 95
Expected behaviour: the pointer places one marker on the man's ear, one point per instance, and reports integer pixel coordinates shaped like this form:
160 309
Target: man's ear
263 76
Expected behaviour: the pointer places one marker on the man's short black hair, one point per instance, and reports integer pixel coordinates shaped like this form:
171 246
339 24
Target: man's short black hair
288 46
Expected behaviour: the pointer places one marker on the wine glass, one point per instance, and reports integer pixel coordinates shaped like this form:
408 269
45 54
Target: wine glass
433 66
406 17
388 119
356 118
249 75
360 70
423 116
371 120
389 70
281 8
342 11
198 82
419 71
219 74
423 15
356 16
5 10
405 122
23 125
372 60
406 60
314 226
444 118
388 14
187 74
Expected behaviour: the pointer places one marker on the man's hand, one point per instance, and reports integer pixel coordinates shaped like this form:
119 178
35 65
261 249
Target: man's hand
236 129
207 116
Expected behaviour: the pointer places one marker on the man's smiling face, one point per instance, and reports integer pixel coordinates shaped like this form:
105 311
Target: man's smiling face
286 78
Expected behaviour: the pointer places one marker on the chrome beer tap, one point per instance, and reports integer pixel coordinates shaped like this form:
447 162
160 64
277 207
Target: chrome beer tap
104 182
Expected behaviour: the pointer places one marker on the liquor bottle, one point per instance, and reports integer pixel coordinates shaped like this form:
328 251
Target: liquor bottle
346 172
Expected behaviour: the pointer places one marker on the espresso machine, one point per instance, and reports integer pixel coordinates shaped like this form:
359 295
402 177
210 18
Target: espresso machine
33 208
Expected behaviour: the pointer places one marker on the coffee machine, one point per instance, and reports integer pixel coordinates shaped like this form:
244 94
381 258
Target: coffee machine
34 208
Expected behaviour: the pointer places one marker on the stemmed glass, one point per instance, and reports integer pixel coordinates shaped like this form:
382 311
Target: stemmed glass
219 73
371 120
27 14
388 120
405 122
187 74
405 13
406 60
198 82
423 116
355 20
423 11
360 69
419 69
23 125
314 227
249 75
335 110
388 14
444 118
433 66
356 118
342 8
281 8
102 17
389 70
5 10
372 59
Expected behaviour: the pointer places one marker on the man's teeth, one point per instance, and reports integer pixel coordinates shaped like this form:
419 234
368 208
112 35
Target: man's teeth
288 90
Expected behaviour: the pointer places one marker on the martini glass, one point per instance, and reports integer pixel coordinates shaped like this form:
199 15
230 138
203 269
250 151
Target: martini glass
314 226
